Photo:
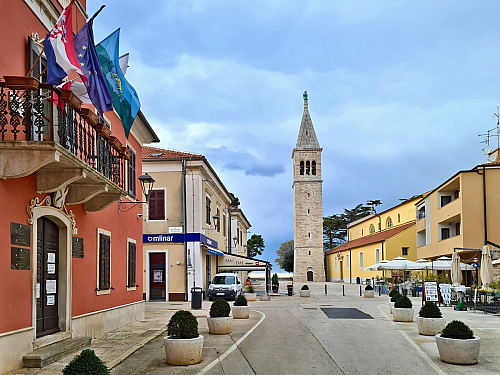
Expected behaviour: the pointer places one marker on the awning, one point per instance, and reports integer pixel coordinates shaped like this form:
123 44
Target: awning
211 250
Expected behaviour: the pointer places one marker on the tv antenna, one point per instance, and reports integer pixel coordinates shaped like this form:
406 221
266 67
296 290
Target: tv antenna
488 149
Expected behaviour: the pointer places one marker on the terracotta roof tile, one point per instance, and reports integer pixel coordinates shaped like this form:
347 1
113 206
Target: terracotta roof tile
152 153
377 237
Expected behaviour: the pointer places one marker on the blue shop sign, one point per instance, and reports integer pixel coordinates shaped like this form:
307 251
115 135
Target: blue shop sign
179 237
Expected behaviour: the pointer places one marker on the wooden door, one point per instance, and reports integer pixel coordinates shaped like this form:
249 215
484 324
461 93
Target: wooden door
341 270
309 275
47 316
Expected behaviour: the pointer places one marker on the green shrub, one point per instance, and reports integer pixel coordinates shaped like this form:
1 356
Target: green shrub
457 330
220 309
183 325
87 363
241 301
403 302
368 287
276 279
430 310
304 287
395 296
393 292
250 289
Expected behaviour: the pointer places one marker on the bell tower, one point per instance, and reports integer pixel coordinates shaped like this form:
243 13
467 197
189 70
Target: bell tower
307 203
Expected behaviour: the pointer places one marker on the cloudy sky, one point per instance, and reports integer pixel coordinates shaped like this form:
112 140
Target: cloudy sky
398 92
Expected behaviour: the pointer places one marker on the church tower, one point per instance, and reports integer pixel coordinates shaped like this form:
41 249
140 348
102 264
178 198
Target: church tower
307 203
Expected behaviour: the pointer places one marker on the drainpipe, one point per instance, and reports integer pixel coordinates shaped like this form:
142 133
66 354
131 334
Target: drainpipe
382 245
184 227
350 267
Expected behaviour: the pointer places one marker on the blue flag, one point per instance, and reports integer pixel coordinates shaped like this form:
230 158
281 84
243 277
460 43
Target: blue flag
86 54
125 99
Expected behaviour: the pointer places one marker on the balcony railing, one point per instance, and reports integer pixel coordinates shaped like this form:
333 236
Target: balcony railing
28 113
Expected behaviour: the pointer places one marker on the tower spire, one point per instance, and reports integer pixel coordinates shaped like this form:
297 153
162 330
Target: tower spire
307 136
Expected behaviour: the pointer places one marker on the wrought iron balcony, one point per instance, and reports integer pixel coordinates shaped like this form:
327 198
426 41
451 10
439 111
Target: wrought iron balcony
68 146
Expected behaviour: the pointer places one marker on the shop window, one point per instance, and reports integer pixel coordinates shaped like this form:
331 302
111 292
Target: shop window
156 205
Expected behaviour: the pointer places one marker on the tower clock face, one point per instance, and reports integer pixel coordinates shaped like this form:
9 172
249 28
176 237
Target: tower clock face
308 194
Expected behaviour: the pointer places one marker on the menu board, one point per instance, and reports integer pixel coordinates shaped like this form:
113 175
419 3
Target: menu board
19 258
431 291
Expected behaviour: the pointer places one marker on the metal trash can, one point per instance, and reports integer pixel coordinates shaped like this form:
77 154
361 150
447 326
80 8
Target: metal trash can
290 289
196 297
358 280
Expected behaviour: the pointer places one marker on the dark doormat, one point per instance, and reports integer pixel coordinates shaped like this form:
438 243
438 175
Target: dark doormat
345 313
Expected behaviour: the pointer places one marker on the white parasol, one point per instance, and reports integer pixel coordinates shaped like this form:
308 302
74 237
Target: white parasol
456 272
486 266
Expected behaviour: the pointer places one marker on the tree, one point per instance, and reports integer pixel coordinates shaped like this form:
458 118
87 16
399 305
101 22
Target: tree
285 256
235 202
373 204
255 245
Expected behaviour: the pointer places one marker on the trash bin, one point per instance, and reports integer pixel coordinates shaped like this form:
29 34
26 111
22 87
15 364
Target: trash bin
196 297
358 280
290 289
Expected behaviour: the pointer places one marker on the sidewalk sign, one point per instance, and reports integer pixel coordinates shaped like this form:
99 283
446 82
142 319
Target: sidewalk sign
430 291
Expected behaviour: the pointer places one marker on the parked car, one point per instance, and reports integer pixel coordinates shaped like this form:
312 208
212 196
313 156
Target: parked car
225 285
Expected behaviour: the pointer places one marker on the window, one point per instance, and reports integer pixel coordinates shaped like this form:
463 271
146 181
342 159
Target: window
104 257
377 255
389 222
224 280
217 222
313 168
207 210
131 263
308 167
336 264
399 218
445 233
405 251
224 225
302 167
361 231
156 205
309 252
347 262
445 199
131 174
361 260
372 229
457 194
457 228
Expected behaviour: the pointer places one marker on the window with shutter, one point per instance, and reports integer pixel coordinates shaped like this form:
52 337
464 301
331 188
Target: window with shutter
156 206
217 222
131 174
131 264
104 261
207 210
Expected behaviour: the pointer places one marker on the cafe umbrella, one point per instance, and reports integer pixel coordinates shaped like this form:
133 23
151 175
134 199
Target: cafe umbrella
456 271
486 266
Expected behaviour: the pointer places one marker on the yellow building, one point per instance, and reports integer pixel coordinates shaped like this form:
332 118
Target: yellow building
373 238
462 214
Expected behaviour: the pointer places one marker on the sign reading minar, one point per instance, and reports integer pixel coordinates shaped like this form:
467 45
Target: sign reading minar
307 203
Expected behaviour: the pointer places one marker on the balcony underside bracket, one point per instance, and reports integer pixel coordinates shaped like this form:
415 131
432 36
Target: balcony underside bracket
49 180
80 193
101 201
20 159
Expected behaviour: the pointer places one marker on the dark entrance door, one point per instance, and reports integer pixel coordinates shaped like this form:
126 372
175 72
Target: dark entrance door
208 270
309 275
157 276
47 316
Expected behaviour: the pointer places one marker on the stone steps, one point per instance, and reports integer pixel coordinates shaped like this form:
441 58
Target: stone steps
46 355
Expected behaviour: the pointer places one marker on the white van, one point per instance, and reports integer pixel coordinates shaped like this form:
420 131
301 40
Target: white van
225 285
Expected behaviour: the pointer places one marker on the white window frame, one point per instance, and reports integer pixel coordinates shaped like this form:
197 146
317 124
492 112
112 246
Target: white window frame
336 264
98 247
347 262
377 255
361 260
131 240
165 208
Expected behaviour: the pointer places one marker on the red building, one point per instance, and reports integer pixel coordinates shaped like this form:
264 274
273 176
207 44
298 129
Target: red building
70 253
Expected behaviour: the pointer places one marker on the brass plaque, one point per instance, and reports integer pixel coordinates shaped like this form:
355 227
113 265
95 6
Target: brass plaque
77 251
19 258
20 234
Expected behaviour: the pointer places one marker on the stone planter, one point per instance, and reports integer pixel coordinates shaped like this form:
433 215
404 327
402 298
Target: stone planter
402 314
391 306
305 293
368 293
458 352
182 352
241 312
251 296
430 326
220 326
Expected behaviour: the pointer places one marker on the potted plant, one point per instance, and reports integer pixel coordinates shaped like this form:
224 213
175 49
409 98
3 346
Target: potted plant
402 310
183 345
86 363
304 291
276 283
219 321
250 295
457 344
430 320
392 292
241 310
393 299
369 292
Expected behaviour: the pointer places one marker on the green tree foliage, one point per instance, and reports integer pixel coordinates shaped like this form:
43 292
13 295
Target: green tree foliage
86 363
285 256
255 245
235 202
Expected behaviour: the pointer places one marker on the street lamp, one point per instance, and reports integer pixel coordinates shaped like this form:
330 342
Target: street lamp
147 183
235 240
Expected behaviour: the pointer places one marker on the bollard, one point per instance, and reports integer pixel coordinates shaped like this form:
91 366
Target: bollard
326 291
379 288
360 294
343 290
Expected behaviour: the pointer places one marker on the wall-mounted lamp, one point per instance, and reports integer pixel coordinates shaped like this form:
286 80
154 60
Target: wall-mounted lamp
147 183
235 240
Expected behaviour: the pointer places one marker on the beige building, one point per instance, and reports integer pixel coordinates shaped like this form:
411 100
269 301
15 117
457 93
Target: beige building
189 225
307 203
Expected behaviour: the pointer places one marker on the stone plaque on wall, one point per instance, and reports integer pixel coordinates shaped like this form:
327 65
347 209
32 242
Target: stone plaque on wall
19 258
77 247
19 234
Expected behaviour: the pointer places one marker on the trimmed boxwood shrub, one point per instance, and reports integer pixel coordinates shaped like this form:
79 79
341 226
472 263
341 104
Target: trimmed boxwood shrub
368 287
220 309
393 292
403 302
430 310
241 301
304 287
395 296
86 363
183 325
457 330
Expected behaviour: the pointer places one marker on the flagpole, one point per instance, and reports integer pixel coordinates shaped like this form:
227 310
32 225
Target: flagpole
99 11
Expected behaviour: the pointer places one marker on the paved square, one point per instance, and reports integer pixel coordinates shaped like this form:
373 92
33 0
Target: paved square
345 313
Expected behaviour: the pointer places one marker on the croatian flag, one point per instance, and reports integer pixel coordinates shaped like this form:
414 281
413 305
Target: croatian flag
60 50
